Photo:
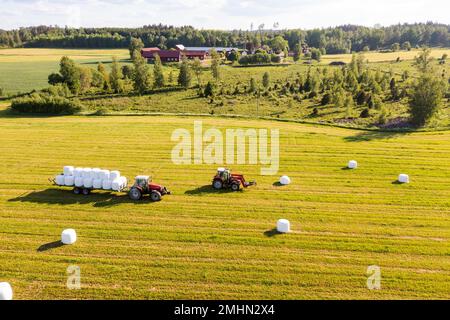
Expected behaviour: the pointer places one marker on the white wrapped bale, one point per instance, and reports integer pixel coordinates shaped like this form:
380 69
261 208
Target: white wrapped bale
86 173
352 164
283 226
285 180
124 182
96 173
117 184
114 175
97 184
6 292
68 171
69 181
68 236
79 182
107 185
88 182
403 178
60 180
104 174
78 172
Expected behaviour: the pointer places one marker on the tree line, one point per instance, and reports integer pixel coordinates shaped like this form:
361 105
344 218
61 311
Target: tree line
342 39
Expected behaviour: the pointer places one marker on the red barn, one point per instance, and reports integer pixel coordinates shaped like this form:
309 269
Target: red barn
164 55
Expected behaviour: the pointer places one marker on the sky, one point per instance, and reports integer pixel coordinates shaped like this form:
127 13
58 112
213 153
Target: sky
220 14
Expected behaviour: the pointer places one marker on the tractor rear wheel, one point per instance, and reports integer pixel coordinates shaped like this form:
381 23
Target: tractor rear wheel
155 196
235 186
217 184
135 194
86 192
76 190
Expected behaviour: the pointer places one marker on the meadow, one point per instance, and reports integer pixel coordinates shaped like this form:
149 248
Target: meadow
22 70
199 244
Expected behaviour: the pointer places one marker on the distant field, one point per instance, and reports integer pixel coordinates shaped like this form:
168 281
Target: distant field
383 57
199 244
22 70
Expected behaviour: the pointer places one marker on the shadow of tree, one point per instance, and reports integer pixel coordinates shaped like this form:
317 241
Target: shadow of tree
50 246
376 135
66 197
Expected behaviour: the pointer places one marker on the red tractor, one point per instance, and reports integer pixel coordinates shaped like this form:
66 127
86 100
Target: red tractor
143 185
225 179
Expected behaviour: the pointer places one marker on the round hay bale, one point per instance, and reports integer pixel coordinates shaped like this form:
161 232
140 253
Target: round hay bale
78 172
60 180
97 184
79 182
6 292
107 185
95 173
86 173
116 184
104 174
352 164
68 236
68 170
285 180
283 226
88 182
114 175
69 181
124 181
403 178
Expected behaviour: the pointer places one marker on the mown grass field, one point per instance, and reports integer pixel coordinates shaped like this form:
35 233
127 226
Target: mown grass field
23 70
198 244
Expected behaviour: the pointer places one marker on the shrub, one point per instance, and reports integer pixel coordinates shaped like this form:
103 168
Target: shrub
209 90
315 112
326 99
46 104
365 113
426 98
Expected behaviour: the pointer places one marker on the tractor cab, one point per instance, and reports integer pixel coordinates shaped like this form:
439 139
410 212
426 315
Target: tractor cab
224 174
142 182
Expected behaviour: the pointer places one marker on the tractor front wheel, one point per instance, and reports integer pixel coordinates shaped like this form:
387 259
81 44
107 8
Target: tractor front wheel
235 186
135 194
155 196
217 184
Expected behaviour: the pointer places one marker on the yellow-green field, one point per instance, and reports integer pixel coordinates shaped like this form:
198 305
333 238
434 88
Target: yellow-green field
202 244
23 70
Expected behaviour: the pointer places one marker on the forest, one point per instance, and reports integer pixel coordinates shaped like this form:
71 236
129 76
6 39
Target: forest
333 40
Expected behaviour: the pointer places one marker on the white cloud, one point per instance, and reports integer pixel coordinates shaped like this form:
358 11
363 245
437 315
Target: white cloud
220 14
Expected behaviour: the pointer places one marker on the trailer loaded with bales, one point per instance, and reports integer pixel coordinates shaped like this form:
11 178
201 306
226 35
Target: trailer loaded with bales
85 180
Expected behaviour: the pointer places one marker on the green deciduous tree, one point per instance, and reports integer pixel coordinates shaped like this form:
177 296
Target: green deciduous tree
184 77
136 45
426 98
141 76
116 77
197 69
158 73
215 64
70 74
